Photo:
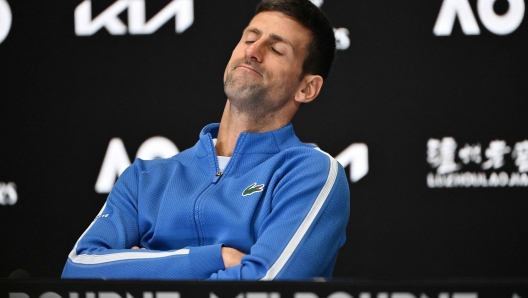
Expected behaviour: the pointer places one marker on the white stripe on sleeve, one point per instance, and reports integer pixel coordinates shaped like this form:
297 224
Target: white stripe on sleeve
105 258
145 254
305 225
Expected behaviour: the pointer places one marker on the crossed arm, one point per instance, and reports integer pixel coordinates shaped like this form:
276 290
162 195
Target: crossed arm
230 256
299 239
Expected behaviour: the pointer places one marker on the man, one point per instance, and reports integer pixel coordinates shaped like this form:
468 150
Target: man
249 201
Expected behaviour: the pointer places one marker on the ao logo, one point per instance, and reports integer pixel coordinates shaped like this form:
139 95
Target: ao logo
317 3
497 24
116 159
355 156
183 10
342 39
341 34
5 19
8 193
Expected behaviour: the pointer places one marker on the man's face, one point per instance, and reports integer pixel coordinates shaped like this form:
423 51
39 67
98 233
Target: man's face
264 71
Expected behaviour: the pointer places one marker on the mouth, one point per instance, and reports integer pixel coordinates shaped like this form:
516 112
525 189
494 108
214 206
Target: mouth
249 68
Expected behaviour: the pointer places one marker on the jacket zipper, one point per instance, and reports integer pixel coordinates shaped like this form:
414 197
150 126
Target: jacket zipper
217 177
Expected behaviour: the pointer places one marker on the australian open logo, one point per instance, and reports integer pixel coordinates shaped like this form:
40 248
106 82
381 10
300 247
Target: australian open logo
5 20
473 165
8 193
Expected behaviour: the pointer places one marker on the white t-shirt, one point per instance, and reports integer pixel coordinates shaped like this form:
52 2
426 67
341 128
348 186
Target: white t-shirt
222 160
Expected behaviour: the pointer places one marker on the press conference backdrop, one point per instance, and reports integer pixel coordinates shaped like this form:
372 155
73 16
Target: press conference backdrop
426 108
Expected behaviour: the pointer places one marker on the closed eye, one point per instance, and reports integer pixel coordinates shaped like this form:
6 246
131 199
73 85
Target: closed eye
276 52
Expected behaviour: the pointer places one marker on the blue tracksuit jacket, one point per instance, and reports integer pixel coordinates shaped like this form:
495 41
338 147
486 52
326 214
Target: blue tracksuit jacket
283 203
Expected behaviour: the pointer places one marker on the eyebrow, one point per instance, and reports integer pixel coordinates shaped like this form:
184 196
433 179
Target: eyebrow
274 37
254 30
281 39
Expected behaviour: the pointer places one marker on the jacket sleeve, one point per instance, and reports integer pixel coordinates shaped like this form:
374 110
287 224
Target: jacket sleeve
104 249
306 227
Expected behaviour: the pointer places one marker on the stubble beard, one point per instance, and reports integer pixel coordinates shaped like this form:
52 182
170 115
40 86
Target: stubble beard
247 97
254 98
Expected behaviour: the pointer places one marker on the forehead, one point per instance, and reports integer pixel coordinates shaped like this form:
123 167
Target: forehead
271 23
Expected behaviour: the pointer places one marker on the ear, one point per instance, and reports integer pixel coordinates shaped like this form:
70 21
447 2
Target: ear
309 88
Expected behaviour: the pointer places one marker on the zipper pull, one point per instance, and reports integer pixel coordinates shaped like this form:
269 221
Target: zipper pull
217 177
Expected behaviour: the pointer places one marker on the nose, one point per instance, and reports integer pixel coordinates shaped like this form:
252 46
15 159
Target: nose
253 51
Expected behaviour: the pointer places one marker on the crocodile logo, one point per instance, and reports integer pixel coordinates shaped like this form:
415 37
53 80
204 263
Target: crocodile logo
253 188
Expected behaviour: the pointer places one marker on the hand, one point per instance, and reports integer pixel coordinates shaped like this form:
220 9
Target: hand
231 256
137 247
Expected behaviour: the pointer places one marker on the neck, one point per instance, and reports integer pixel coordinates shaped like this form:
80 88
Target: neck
234 122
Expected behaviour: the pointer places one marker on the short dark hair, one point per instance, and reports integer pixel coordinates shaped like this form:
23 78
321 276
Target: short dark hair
321 49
